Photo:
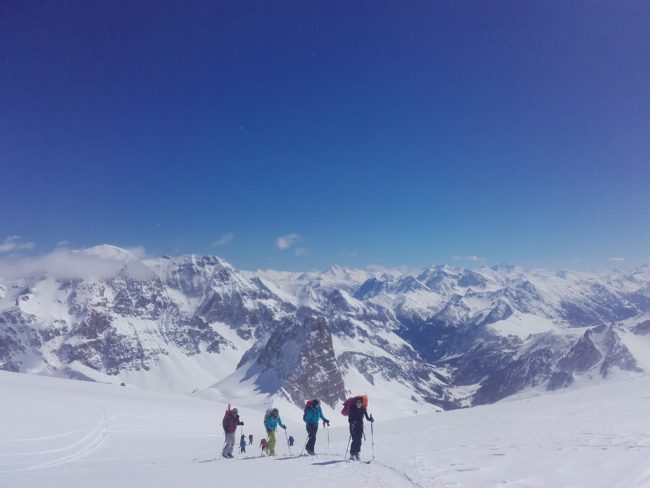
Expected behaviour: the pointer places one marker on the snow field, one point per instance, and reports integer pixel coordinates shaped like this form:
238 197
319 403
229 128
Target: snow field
59 433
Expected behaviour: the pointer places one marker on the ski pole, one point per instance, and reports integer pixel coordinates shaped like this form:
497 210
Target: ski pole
328 437
348 446
372 436
288 445
303 447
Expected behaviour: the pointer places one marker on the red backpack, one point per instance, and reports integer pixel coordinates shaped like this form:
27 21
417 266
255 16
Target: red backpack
307 406
351 401
228 420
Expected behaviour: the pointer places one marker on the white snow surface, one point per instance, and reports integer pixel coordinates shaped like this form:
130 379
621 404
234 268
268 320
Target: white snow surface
58 433
523 325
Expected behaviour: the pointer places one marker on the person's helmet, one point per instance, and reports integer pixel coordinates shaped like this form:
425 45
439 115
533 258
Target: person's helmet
234 410
275 412
314 403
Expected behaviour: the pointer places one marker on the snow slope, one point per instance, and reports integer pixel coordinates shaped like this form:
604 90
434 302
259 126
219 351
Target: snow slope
59 433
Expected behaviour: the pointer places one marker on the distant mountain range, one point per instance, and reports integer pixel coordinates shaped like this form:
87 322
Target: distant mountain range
441 337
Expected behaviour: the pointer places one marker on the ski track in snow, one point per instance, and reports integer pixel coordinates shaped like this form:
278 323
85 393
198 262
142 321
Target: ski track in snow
638 478
399 473
87 445
44 438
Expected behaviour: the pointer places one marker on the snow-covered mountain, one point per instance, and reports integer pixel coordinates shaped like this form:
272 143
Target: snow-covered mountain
440 337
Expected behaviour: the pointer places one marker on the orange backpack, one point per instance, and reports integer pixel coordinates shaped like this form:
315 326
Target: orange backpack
351 401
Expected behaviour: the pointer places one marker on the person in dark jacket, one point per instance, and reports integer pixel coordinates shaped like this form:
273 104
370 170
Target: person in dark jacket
356 415
250 439
313 414
291 441
230 423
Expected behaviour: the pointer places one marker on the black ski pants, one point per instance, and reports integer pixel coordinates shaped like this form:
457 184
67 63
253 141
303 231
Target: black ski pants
356 431
311 434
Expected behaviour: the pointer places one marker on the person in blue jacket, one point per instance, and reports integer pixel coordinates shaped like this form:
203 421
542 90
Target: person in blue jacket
271 421
242 444
313 414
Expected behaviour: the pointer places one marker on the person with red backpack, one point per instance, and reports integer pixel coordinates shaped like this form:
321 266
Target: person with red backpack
312 415
230 423
356 411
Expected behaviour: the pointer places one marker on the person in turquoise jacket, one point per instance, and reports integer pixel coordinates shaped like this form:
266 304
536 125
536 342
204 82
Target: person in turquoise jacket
313 414
271 421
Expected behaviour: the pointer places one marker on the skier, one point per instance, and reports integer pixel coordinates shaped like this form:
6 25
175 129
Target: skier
230 423
355 417
271 421
291 441
263 445
250 439
313 414
242 444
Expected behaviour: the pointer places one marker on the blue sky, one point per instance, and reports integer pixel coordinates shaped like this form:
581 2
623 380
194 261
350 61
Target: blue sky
393 133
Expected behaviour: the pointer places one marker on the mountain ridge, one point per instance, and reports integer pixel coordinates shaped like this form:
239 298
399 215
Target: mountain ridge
185 324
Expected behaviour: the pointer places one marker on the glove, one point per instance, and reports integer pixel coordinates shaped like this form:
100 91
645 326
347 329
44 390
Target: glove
241 423
371 419
326 422
284 427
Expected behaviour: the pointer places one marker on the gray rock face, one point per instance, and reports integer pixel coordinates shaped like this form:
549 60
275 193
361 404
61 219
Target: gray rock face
298 359
501 311
642 328
519 372
582 357
18 340
370 288
599 350
617 355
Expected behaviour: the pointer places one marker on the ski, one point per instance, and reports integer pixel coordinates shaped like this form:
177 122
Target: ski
285 458
209 460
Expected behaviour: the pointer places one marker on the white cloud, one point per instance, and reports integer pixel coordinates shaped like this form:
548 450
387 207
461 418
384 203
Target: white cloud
469 258
225 239
12 243
303 251
92 263
617 259
285 242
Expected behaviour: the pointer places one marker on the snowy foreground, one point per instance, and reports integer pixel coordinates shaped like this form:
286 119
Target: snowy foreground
60 433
